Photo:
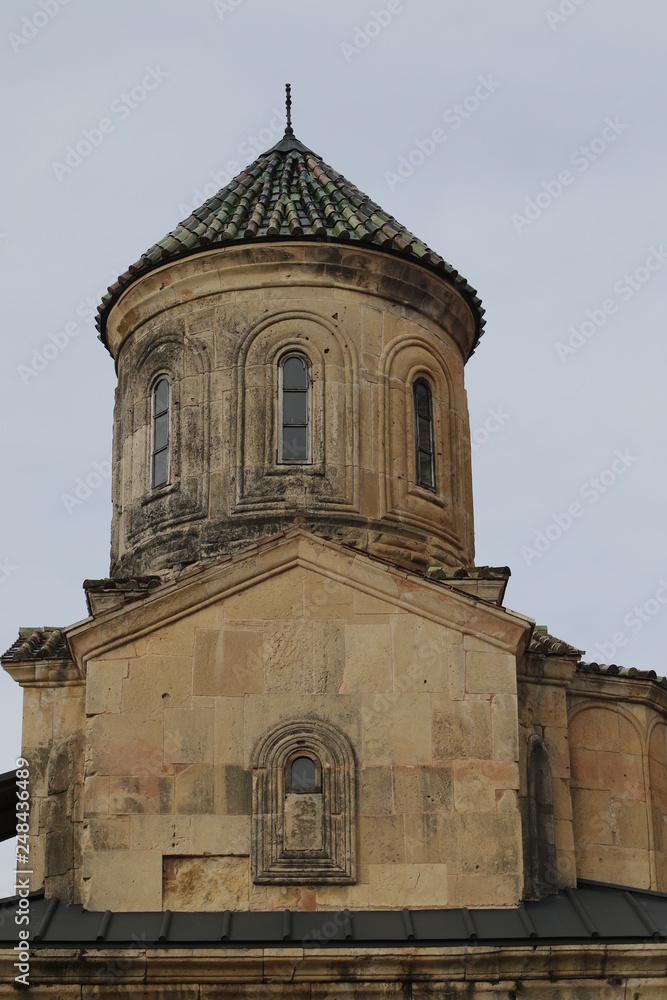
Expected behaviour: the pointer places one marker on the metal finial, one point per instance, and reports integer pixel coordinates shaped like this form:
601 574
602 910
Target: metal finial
288 106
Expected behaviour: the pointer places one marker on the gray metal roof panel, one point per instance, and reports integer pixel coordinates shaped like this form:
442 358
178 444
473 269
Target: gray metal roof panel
592 912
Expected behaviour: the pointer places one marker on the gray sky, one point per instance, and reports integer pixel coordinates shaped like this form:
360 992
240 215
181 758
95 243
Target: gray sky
545 188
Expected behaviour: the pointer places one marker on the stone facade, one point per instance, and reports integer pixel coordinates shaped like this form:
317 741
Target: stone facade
370 326
419 680
296 692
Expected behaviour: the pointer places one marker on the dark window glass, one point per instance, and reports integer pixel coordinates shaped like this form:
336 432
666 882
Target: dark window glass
295 410
295 445
162 396
295 374
160 434
303 775
425 457
161 431
160 469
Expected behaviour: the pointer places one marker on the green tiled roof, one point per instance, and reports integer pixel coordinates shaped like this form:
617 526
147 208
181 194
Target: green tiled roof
288 193
38 644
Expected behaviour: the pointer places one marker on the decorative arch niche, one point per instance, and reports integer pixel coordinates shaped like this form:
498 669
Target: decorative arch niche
303 834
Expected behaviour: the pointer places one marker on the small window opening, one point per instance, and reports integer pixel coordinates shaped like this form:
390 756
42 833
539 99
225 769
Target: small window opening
425 455
295 405
303 774
160 434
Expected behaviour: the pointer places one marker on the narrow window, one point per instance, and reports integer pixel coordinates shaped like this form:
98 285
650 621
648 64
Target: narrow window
294 445
160 434
424 435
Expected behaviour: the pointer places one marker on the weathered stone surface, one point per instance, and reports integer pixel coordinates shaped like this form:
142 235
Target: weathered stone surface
205 883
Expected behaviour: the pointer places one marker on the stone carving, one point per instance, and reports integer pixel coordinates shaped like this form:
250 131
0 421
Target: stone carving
303 835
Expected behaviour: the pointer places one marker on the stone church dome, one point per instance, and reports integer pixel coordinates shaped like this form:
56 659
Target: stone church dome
290 352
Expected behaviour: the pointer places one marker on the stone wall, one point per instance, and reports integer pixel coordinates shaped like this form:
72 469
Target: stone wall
617 735
217 326
419 680
53 743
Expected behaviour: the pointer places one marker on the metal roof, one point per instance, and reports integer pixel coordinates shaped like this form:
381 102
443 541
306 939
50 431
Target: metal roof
8 791
593 913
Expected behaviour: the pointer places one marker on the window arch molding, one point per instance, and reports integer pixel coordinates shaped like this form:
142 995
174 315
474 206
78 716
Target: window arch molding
330 857
295 409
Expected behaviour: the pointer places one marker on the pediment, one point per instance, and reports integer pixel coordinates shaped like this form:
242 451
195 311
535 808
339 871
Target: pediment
294 576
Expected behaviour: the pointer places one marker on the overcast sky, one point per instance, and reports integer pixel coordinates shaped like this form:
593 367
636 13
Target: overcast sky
525 141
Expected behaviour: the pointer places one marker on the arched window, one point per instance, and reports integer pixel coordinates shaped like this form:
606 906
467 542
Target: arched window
425 451
303 774
160 434
303 807
294 411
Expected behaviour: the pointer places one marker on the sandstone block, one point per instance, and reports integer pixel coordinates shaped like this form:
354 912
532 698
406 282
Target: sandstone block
396 728
162 834
228 835
596 729
463 731
228 733
122 880
400 885
276 598
325 597
108 833
104 685
591 816
288 657
433 838
205 883
96 795
328 656
125 744
505 724
422 789
381 839
368 665
155 683
375 790
194 790
490 845
490 672
174 639
139 794
188 736
420 654
228 662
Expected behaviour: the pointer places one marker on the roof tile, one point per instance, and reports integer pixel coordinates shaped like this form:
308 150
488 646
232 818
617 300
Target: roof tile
287 193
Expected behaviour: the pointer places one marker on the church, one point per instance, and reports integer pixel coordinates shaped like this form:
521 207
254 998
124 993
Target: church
301 746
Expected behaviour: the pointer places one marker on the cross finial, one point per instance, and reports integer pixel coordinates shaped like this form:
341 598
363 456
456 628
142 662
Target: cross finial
288 106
